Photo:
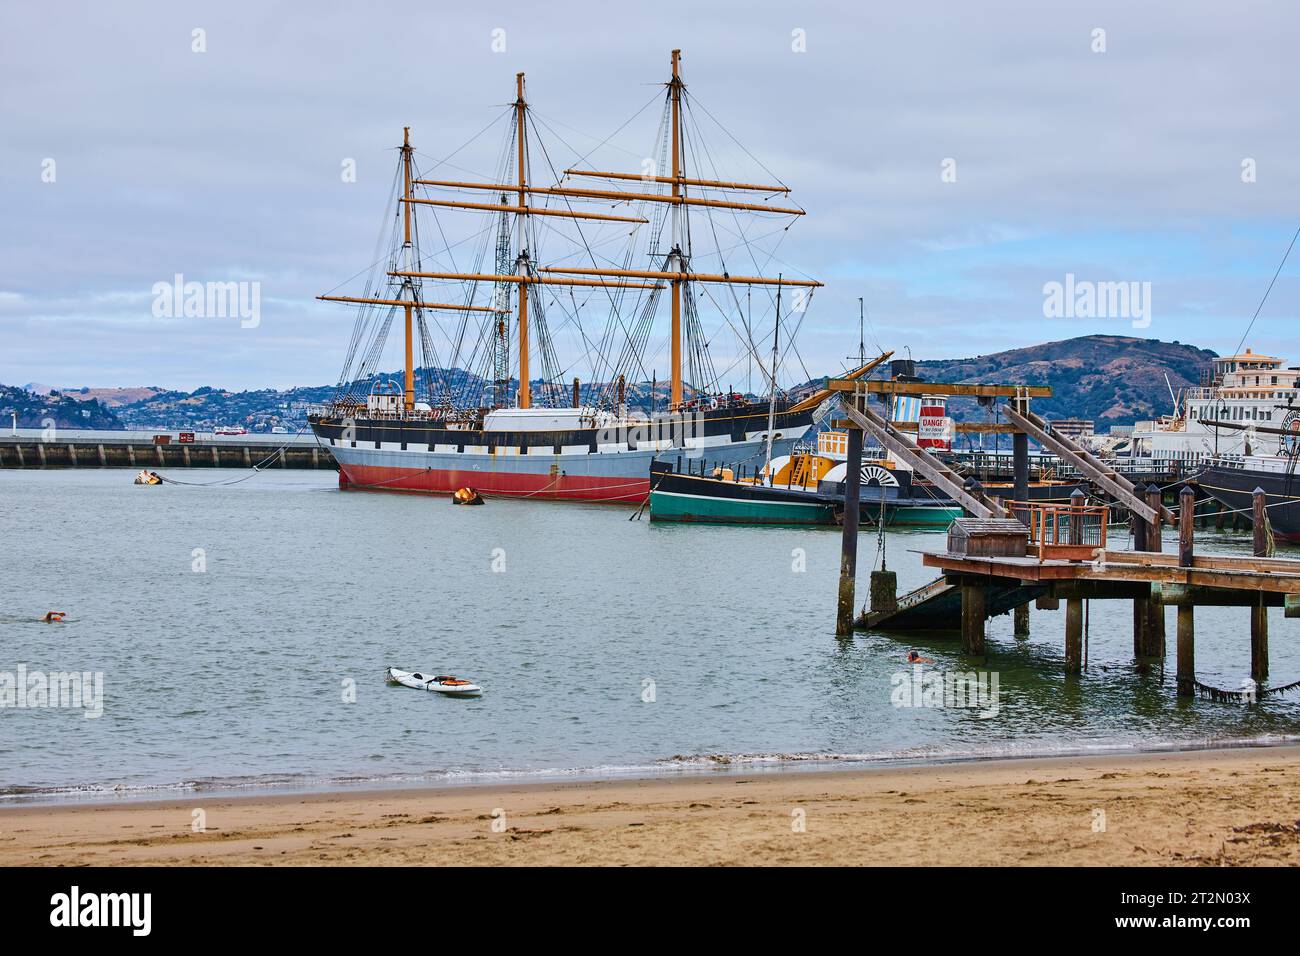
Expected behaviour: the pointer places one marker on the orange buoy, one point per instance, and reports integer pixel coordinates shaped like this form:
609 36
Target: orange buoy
466 496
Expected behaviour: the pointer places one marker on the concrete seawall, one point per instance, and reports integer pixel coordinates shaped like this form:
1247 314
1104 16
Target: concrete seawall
110 451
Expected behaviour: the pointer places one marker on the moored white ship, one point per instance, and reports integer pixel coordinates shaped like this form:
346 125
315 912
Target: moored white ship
1244 408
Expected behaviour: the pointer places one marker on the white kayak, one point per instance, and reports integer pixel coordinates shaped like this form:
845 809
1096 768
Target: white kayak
442 684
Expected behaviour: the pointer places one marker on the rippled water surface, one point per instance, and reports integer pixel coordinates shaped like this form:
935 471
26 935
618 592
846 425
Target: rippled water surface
238 674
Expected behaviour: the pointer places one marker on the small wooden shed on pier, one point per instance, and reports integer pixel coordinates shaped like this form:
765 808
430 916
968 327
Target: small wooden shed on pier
988 538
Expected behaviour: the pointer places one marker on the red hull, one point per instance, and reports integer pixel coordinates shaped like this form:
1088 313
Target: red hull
606 488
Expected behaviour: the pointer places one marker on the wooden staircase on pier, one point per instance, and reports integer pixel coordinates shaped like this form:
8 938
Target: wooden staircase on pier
937 606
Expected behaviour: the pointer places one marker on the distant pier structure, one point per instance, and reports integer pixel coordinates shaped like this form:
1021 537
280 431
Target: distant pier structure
67 448
1011 553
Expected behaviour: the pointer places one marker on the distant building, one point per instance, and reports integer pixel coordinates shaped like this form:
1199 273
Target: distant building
1074 428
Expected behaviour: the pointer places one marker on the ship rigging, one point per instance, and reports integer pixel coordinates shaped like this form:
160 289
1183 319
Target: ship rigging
564 242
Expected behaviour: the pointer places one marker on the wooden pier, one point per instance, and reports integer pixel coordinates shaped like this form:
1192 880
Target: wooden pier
1011 553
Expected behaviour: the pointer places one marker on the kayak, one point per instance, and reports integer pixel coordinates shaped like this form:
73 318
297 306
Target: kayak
442 684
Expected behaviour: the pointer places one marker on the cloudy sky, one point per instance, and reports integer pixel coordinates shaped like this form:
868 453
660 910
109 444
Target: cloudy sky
1122 164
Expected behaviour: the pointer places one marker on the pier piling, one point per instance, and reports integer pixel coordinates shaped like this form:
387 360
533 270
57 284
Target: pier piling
1154 634
1186 526
849 538
972 617
1186 612
1020 464
1021 619
1141 606
1259 613
1186 649
1073 635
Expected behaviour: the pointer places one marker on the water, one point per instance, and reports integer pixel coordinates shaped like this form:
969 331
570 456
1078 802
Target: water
236 676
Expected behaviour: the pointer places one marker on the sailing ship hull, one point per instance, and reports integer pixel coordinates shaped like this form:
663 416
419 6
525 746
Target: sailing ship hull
1235 487
578 465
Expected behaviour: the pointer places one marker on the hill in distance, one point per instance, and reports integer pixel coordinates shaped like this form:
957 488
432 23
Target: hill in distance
1111 379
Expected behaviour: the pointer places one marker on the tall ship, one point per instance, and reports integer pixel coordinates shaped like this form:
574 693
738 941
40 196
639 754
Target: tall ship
577 251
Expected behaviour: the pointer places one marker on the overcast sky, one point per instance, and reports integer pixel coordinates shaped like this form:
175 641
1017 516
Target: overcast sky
1122 165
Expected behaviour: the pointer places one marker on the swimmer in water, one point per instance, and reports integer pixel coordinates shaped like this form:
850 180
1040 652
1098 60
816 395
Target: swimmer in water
914 658
54 617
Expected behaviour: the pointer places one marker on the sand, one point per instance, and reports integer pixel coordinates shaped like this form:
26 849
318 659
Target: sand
1226 807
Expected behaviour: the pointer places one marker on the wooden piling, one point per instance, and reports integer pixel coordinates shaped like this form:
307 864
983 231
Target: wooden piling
1073 635
1154 636
1259 613
1186 526
1020 462
972 618
1021 617
1141 609
849 537
1186 650
1077 501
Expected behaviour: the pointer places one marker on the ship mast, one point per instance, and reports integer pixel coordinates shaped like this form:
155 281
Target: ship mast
525 396
675 261
408 393
771 402
675 270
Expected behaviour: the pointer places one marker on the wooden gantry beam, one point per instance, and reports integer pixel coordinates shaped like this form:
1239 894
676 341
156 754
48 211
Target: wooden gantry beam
879 386
815 399
944 478
1109 480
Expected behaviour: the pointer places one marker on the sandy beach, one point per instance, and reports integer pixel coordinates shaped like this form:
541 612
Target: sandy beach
1226 807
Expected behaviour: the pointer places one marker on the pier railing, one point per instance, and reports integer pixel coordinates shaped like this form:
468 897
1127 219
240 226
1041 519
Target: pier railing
1071 532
